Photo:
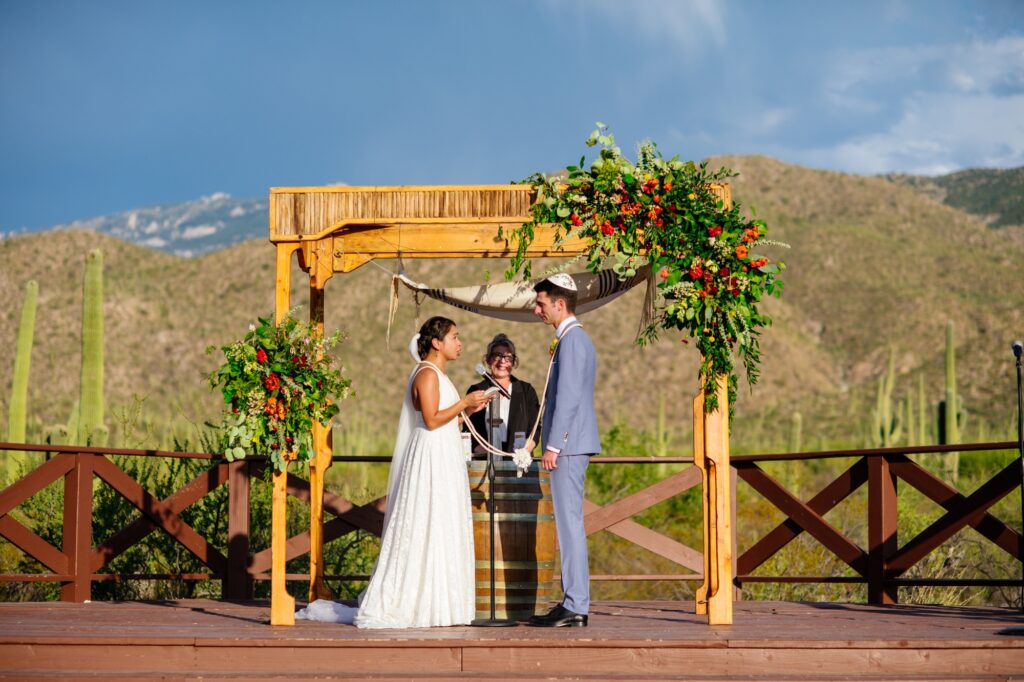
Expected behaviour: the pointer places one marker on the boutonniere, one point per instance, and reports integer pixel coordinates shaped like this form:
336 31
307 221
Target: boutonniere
553 346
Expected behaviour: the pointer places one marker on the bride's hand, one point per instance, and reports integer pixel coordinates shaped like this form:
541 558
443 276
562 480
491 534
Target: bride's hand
476 401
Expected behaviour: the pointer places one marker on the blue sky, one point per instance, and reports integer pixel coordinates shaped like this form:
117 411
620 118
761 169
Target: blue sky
107 106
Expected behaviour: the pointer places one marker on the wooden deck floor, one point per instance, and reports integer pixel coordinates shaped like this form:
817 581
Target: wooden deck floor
625 641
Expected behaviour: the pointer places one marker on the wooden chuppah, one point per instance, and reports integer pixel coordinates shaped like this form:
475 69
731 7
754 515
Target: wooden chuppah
338 229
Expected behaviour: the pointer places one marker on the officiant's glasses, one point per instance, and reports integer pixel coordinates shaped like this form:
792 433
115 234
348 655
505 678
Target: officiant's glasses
498 357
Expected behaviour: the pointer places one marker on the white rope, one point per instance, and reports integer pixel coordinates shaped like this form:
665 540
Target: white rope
521 456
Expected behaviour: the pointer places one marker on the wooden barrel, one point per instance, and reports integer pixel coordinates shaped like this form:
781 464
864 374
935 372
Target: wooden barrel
524 540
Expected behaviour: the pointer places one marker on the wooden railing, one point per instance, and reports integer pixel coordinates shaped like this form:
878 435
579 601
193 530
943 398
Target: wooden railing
881 565
884 561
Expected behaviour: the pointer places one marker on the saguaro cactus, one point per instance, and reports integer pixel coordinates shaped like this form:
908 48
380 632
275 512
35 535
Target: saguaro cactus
922 411
796 433
907 408
952 416
887 423
90 421
18 409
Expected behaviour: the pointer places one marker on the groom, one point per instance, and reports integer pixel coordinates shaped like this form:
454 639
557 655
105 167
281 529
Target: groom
569 438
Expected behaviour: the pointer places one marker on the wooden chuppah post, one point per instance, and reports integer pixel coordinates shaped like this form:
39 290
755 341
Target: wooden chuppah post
282 605
711 455
338 229
318 262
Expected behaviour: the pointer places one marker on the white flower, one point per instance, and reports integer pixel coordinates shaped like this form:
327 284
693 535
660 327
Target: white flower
522 459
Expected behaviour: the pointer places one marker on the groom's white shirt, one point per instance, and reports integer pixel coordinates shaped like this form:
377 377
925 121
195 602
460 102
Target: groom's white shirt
565 325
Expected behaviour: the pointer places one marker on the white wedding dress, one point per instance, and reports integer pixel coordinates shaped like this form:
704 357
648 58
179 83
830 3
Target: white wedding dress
425 574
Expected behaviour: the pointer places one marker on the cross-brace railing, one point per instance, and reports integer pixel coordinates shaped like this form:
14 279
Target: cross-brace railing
882 565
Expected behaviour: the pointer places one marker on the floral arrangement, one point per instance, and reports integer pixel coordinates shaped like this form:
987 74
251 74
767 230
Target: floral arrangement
664 214
277 381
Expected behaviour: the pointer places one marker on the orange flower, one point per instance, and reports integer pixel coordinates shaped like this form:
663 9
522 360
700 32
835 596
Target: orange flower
741 252
271 406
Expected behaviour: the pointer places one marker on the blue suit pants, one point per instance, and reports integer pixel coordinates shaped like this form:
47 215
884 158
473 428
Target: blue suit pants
567 495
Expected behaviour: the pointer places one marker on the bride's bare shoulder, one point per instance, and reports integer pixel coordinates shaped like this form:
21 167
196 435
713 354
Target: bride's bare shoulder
426 375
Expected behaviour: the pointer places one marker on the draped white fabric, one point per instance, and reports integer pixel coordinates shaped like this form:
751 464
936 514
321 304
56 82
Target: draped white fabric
513 301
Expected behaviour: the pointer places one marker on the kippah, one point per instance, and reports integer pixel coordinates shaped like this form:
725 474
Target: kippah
561 279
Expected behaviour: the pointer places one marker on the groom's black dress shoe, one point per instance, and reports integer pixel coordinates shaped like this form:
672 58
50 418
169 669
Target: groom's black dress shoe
559 617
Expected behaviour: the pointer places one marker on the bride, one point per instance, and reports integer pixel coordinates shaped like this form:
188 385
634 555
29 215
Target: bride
425 573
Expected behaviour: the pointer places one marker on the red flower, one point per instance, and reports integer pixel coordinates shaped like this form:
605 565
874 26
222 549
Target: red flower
261 356
272 382
607 228
656 199
723 272
696 272
576 220
714 231
668 186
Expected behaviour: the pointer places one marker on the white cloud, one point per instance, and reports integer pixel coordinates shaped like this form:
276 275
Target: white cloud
237 212
687 25
941 108
197 231
769 120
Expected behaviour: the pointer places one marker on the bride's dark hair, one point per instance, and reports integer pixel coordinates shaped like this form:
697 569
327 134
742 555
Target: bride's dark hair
435 328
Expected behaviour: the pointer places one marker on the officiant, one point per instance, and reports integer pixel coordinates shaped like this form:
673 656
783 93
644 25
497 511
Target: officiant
515 407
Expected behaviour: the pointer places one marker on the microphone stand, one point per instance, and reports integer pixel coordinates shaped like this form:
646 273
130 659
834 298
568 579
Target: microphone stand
493 408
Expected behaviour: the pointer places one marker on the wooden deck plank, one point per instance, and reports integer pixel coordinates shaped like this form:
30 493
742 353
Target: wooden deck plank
626 640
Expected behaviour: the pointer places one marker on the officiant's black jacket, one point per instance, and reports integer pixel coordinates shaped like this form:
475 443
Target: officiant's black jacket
521 413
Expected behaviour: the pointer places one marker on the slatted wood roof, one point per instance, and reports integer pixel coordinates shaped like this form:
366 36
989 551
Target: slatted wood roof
434 221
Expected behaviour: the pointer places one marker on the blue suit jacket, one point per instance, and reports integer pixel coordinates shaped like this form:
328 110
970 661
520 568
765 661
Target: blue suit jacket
570 423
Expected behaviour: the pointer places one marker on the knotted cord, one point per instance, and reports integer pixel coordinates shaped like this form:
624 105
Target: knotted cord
521 456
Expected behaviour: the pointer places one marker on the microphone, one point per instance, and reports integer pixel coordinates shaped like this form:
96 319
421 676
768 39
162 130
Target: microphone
482 371
1018 348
